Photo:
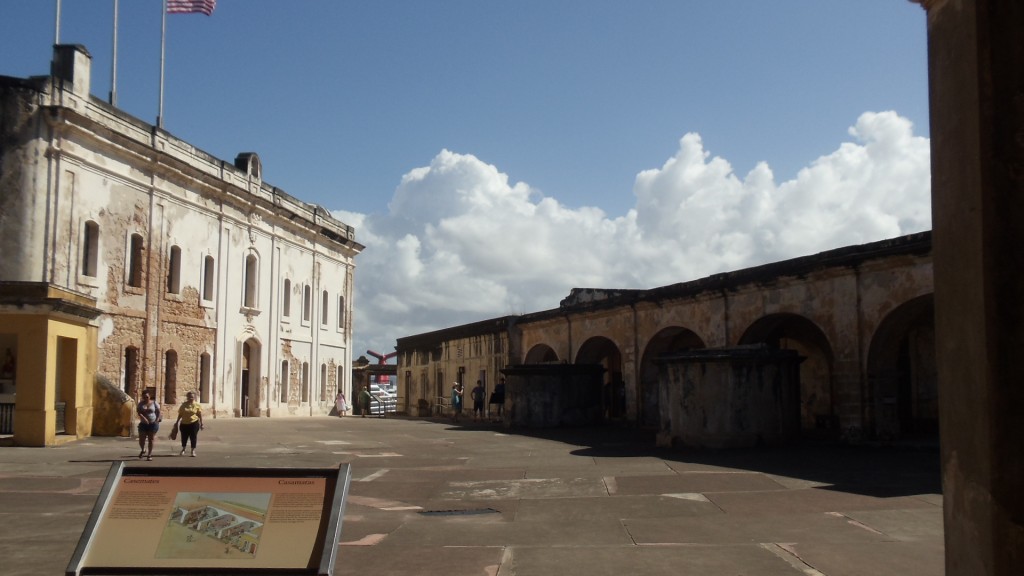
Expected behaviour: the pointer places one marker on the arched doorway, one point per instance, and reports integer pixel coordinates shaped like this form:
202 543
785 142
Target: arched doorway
902 373
249 385
602 351
667 341
793 332
541 354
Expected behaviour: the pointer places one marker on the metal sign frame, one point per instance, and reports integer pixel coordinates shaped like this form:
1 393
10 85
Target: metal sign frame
164 521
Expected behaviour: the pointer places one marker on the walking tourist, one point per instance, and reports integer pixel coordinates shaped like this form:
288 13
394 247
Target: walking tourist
149 424
364 400
340 404
189 423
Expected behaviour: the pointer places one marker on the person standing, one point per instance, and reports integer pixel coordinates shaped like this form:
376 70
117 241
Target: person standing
340 404
364 400
478 401
457 401
189 423
498 397
149 424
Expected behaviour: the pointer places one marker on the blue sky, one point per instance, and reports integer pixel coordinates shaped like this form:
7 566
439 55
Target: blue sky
493 155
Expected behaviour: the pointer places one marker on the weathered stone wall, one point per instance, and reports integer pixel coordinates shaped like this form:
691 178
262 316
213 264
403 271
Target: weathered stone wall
87 162
550 396
730 398
831 308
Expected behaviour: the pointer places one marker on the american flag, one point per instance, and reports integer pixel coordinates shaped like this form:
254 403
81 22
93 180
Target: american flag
191 6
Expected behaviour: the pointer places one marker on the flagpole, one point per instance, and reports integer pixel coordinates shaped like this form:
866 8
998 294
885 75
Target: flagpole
163 35
113 65
56 26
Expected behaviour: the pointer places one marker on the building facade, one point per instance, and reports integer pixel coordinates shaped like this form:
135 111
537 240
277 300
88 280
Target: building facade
430 364
860 317
140 263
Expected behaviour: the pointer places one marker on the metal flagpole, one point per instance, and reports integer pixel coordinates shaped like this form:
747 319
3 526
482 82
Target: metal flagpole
113 65
163 35
56 32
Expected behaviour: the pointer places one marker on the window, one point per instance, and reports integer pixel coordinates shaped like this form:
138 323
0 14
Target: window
251 278
307 305
341 312
323 309
323 382
90 248
131 371
208 279
340 380
204 377
286 299
305 382
174 271
135 254
284 381
170 377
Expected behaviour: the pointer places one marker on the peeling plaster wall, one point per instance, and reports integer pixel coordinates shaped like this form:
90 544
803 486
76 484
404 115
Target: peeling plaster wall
24 167
83 161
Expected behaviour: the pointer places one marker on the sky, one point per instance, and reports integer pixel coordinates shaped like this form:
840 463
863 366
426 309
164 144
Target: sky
494 155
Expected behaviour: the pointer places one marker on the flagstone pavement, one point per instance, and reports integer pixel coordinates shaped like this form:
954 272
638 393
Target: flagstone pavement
433 497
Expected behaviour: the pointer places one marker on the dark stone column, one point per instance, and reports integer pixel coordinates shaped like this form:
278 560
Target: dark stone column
976 80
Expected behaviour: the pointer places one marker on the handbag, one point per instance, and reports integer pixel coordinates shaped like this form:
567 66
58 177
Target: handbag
174 431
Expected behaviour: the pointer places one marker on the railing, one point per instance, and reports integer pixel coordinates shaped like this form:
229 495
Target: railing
7 418
442 405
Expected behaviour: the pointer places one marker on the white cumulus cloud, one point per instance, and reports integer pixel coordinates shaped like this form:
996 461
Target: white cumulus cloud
460 243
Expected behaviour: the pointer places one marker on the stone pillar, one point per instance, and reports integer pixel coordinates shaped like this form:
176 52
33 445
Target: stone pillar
976 85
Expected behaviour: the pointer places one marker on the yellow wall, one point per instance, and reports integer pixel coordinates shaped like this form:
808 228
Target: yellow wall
51 348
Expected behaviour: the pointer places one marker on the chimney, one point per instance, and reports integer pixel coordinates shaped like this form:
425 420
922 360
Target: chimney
72 64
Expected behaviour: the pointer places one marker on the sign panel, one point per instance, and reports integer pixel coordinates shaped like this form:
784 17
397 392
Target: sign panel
152 520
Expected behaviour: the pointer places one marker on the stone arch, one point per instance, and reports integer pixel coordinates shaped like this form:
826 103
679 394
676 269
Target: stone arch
902 373
671 340
817 398
541 354
602 351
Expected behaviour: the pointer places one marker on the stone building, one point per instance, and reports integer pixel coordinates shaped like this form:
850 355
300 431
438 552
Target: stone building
860 318
134 261
430 364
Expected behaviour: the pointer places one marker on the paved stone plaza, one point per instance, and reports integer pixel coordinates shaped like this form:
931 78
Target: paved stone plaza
432 498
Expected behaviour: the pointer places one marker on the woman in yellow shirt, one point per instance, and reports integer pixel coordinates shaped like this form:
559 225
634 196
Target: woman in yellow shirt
190 422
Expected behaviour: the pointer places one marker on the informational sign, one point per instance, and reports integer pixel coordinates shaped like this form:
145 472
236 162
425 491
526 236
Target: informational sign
214 521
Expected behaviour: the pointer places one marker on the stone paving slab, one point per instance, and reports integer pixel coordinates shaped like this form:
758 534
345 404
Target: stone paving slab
698 482
876 558
55 504
738 529
528 488
802 501
913 525
493 530
651 561
585 510
423 561
41 543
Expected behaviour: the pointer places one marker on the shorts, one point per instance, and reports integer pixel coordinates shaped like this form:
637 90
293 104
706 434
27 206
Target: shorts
148 428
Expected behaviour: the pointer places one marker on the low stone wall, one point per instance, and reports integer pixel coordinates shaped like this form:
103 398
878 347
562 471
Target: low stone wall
730 397
113 410
553 395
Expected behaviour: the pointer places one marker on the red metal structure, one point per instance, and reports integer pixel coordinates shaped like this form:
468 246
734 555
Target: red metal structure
382 359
